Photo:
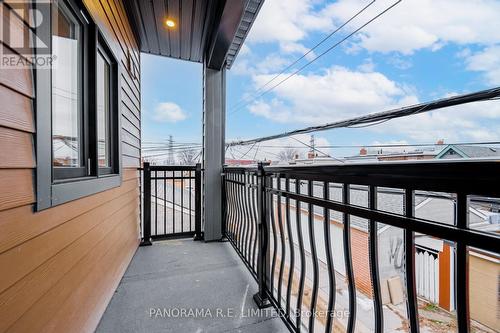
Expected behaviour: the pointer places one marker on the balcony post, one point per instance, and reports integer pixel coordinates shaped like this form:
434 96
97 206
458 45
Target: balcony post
214 113
197 203
261 297
146 205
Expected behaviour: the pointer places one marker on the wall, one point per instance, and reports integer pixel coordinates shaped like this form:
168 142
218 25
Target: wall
61 266
484 289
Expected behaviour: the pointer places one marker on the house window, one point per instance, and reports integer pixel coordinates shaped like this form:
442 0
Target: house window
106 91
68 140
77 110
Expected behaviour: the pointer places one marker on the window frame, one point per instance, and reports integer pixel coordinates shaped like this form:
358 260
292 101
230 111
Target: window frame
104 49
61 173
55 187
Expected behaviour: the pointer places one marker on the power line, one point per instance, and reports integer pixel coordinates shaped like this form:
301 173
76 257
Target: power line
386 115
319 56
309 51
315 149
389 145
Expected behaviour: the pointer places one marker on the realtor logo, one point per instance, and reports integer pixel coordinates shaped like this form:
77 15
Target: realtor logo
25 30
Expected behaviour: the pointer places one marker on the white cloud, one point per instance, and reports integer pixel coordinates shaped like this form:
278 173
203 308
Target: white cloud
340 93
470 122
417 24
288 21
292 47
486 61
336 94
169 112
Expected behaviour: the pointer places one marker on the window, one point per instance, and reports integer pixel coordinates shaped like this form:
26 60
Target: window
77 110
68 156
106 91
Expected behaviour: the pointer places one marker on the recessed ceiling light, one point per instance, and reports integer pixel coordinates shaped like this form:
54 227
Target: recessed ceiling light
170 23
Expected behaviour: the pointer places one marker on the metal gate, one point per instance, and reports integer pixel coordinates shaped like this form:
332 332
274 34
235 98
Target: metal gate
171 202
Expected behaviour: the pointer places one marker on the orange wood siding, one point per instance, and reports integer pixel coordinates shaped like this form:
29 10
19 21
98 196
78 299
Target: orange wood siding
60 266
444 277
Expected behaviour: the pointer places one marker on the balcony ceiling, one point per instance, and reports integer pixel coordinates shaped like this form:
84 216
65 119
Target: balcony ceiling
215 28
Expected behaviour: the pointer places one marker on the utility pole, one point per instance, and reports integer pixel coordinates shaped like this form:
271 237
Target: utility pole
171 159
312 149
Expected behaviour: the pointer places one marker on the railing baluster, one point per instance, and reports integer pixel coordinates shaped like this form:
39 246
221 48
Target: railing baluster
240 213
250 220
275 237
290 243
225 210
329 260
246 220
243 215
282 236
156 202
173 199
190 194
302 257
182 201
233 208
255 210
374 271
237 211
348 262
462 267
410 265
146 204
312 243
229 209
164 202
197 203
261 297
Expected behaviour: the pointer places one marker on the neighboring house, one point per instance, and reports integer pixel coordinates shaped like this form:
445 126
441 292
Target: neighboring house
467 151
235 162
392 155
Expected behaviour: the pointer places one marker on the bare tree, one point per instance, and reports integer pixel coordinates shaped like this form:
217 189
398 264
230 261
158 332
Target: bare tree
188 157
288 154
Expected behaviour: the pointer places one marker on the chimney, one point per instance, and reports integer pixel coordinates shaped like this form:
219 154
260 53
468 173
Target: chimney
363 152
440 142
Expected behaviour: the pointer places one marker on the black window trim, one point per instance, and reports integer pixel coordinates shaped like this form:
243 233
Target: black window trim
104 48
61 172
49 190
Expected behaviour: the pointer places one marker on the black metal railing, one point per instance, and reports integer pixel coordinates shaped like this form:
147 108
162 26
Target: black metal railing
171 202
279 220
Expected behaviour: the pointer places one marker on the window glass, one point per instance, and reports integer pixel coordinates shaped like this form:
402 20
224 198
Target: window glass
103 110
66 102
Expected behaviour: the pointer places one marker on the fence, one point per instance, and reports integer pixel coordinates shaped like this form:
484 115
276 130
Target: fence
171 202
272 215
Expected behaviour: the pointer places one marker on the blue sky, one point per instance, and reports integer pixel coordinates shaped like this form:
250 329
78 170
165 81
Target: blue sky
419 51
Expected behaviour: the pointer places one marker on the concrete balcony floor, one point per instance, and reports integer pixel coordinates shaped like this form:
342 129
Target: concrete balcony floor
187 286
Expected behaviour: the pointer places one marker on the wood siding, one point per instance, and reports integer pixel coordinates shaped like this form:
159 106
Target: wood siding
60 266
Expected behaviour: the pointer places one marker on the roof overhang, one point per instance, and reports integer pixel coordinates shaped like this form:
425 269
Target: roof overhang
210 31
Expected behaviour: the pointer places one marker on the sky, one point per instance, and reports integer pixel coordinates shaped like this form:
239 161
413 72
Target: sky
418 51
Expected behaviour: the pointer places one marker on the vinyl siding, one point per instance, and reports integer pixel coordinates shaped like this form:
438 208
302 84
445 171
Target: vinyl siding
60 266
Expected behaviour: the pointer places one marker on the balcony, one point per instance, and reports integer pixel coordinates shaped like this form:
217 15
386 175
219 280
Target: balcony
181 275
338 233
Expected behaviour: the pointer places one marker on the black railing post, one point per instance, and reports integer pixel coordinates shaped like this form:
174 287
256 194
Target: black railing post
197 203
146 204
224 205
261 297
